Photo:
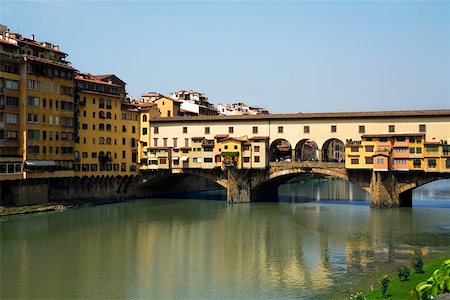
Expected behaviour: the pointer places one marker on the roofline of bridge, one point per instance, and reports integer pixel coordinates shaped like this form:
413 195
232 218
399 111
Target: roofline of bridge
297 116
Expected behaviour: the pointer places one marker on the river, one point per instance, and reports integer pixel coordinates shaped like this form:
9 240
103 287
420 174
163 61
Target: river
319 235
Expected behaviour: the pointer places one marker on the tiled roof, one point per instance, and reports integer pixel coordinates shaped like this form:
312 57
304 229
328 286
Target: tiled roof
259 138
50 62
94 80
329 115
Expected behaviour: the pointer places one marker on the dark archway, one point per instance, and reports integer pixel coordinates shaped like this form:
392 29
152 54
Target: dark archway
432 194
184 185
280 150
333 150
306 150
7 197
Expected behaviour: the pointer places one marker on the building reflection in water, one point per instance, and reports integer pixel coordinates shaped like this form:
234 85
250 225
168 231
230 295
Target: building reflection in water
204 249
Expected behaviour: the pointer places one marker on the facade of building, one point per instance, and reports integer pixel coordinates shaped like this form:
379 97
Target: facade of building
108 133
36 118
311 137
398 152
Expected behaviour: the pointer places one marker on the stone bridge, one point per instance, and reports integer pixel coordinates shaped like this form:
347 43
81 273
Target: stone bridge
386 189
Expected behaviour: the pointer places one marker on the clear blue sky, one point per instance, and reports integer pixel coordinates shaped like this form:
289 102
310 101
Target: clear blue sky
291 56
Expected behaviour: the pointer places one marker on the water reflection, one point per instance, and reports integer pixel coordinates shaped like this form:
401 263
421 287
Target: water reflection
321 190
171 249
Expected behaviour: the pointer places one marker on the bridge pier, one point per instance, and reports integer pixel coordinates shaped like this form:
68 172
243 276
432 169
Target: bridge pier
239 186
385 191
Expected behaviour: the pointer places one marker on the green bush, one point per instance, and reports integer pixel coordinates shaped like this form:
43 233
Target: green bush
438 283
418 263
403 273
384 283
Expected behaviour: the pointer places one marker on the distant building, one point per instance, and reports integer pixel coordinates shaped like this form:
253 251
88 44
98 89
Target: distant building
194 103
240 108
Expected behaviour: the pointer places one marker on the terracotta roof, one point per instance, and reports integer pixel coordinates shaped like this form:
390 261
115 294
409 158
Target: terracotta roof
221 136
185 148
329 115
101 77
198 138
36 44
234 139
259 138
94 80
50 62
99 93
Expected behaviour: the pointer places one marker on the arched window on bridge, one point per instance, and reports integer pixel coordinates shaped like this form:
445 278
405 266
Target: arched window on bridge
306 150
333 150
280 150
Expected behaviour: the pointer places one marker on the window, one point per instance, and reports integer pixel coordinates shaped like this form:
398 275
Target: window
333 128
208 160
391 128
186 142
144 118
101 140
354 161
256 159
432 148
380 161
175 142
422 128
33 118
362 129
165 142
12 119
369 148
305 129
369 160
12 101
185 130
144 131
12 84
133 129
33 101
155 130
432 163
280 129
400 161
412 150
256 148
255 129
101 127
447 163
230 129
155 142
33 85
246 159
418 150
235 147
108 115
207 130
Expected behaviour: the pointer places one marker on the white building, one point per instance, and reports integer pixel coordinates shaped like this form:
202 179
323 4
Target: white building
240 108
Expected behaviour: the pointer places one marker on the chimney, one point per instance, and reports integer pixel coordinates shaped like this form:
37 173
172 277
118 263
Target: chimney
32 36
56 47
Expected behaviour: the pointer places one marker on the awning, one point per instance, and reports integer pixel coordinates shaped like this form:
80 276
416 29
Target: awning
184 158
175 158
40 163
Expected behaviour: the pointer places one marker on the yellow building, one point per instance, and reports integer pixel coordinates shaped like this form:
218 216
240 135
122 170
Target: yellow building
37 86
108 133
167 106
397 152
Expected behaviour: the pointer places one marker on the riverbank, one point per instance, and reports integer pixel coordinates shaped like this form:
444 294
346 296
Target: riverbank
397 289
51 207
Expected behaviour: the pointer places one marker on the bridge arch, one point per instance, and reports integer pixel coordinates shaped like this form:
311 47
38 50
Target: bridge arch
280 150
333 150
306 150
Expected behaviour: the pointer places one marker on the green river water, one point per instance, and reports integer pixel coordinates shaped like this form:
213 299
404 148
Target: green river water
318 238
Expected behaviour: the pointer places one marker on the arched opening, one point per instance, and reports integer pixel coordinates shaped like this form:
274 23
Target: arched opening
6 197
179 186
280 150
306 150
101 127
333 150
